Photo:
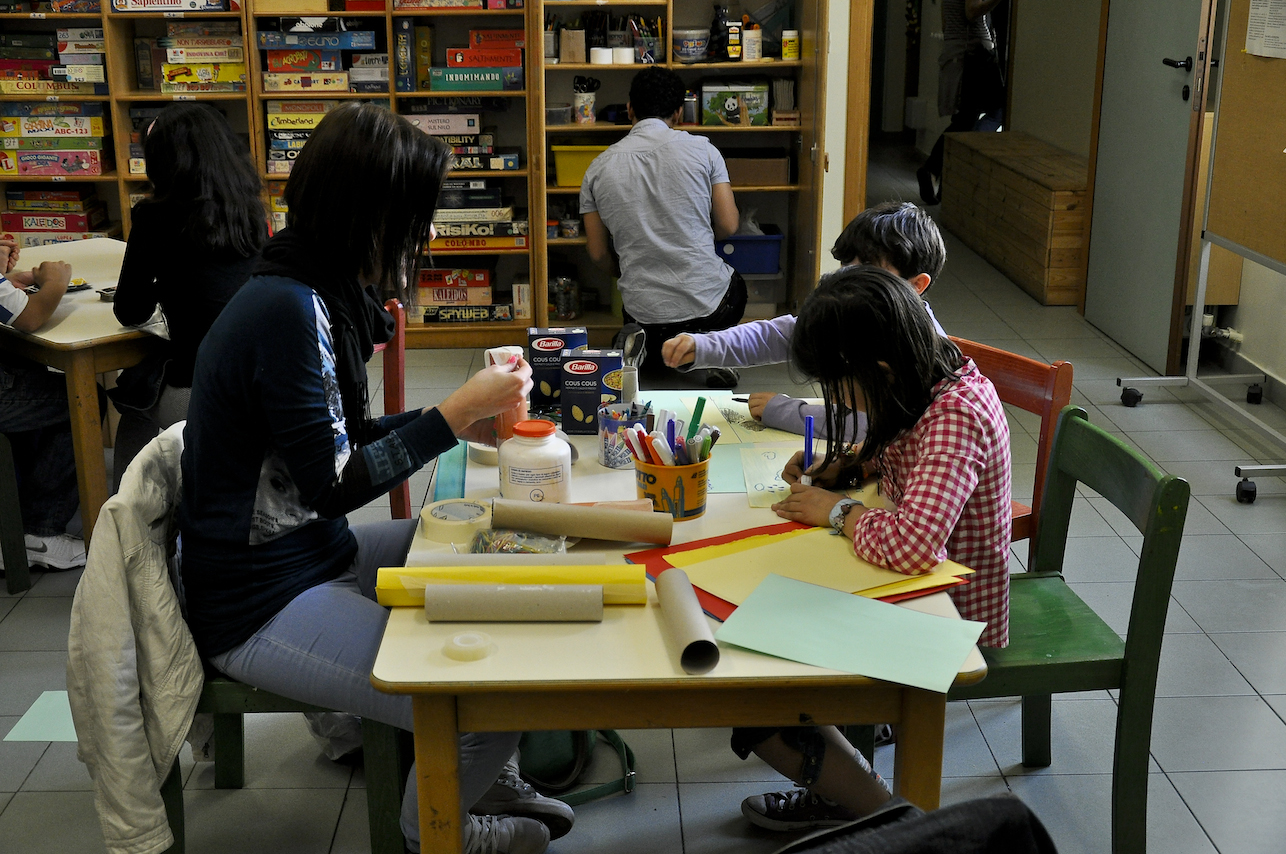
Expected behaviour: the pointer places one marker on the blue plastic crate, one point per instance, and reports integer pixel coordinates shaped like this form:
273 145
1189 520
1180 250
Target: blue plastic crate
752 253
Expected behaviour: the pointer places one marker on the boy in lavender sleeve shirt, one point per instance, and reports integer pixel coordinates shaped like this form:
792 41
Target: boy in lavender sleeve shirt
898 236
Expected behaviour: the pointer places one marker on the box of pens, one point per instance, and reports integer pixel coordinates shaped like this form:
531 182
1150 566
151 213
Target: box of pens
672 464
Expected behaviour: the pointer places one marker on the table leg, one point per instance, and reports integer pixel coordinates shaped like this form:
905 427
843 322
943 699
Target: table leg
917 768
87 438
437 772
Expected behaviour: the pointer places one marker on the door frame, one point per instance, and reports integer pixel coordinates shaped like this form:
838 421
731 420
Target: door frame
861 25
1173 365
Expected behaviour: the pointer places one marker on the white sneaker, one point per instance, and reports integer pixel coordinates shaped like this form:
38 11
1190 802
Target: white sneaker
511 795
61 551
500 834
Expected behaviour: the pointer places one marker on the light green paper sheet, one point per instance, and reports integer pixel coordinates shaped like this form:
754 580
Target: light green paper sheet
825 628
761 466
48 719
725 469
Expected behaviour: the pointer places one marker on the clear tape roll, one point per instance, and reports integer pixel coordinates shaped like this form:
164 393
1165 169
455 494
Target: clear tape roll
600 56
469 646
454 520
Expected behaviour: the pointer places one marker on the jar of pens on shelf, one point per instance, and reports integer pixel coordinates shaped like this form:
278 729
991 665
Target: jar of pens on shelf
672 462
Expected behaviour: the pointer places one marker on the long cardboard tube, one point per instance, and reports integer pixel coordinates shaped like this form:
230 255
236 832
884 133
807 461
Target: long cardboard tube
570 520
514 603
685 626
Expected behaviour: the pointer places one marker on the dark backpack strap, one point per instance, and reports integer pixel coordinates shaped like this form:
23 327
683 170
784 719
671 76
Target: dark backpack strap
624 784
582 753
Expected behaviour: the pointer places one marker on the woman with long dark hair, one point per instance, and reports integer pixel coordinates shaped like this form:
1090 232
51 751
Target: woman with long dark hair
280 444
191 246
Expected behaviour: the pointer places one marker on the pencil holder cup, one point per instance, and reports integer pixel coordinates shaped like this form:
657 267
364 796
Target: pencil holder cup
677 490
583 107
613 419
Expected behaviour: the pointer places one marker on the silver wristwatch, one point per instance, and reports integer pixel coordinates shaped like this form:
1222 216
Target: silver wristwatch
840 512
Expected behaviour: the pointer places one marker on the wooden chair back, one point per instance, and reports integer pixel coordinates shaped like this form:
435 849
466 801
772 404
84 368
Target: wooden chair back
395 395
13 548
1034 387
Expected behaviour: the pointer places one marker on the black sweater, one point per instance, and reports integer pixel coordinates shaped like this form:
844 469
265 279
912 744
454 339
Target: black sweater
191 283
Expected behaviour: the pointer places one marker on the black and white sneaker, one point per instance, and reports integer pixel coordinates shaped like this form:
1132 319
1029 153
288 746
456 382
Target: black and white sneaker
631 342
722 378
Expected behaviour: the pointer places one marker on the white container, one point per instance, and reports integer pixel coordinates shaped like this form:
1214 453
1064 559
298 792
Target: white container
689 45
600 56
752 45
622 55
535 465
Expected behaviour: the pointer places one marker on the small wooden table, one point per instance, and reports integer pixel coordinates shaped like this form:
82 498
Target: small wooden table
83 339
620 673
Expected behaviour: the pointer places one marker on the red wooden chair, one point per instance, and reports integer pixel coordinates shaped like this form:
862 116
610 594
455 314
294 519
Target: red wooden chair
1037 388
395 395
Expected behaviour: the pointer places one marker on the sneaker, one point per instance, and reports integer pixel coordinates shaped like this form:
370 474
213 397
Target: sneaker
797 809
930 186
884 734
630 341
61 551
501 834
722 378
512 795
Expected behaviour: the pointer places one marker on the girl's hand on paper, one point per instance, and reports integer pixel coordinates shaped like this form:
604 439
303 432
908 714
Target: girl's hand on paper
758 401
826 477
810 505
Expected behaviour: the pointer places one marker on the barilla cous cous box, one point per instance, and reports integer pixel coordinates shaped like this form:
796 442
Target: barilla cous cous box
590 377
544 352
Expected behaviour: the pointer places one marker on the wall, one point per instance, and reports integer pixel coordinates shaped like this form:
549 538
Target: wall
930 47
1261 316
837 113
894 36
1055 52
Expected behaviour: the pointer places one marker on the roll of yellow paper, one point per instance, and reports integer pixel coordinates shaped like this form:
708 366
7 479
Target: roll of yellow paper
400 586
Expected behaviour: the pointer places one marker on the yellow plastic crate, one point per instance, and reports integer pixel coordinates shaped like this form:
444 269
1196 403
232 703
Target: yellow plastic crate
571 161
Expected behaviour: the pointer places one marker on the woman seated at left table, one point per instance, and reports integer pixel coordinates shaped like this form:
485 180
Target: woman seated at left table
192 245
280 444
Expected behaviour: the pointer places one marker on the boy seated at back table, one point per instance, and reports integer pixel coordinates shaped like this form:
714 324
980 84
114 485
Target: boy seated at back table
898 236
35 418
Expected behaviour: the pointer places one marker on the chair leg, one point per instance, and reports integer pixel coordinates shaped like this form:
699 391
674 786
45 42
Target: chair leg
386 753
1036 724
172 795
229 751
862 736
13 550
1130 771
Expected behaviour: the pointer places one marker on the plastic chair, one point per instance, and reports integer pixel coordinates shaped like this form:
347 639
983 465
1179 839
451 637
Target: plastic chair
1037 388
1057 644
13 548
395 395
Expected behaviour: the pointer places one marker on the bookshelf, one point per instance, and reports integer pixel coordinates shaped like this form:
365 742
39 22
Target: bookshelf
518 115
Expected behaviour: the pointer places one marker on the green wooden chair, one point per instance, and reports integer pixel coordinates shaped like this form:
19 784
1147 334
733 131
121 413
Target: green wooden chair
386 753
13 548
1057 644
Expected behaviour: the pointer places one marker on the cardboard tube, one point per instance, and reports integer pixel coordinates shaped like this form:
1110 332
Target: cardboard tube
400 586
686 628
569 520
514 603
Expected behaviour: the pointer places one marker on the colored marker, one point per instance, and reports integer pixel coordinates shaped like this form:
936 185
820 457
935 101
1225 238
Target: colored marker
696 417
664 456
807 480
669 434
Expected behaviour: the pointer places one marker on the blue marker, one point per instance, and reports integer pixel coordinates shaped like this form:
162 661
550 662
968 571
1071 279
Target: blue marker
806 480
669 434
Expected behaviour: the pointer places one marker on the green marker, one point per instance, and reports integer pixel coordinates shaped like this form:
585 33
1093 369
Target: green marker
695 424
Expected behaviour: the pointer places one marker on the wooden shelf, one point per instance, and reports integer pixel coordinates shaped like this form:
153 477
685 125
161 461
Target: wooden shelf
467 334
567 241
760 65
152 95
50 16
524 172
448 12
177 14
589 66
426 93
15 97
107 177
513 251
316 96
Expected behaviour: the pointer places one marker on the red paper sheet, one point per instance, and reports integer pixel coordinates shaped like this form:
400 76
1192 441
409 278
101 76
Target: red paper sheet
654 563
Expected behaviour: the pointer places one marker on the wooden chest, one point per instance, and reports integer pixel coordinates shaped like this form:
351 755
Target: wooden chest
1019 203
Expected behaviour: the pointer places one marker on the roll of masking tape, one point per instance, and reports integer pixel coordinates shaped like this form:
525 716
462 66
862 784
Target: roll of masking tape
622 55
454 520
600 56
484 455
469 646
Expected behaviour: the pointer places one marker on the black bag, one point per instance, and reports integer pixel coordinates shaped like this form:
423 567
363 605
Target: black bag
554 762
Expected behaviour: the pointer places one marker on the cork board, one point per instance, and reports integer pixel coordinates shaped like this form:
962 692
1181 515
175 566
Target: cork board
1247 205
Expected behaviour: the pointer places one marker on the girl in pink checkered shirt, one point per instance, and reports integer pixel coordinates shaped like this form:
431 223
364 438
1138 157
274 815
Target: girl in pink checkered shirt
938 438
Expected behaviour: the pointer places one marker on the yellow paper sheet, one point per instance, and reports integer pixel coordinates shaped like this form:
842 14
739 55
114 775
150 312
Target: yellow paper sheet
817 557
911 584
682 559
623 584
761 466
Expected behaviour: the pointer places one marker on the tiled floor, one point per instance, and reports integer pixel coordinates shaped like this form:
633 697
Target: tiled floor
1219 744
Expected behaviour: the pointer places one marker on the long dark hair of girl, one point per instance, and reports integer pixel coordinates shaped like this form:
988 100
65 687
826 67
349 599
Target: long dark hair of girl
864 330
202 173
365 187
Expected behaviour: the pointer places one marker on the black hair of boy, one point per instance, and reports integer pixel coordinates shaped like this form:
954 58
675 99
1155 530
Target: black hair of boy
656 93
857 318
899 234
364 189
202 173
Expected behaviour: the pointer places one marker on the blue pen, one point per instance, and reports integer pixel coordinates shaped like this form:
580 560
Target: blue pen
669 433
806 480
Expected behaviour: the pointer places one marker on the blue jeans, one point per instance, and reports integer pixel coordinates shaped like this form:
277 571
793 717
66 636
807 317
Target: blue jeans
320 648
34 415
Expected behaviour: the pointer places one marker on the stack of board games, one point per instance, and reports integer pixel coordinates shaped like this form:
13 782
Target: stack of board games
40 215
289 125
412 54
492 61
193 56
307 55
67 7
53 139
140 117
66 61
179 5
